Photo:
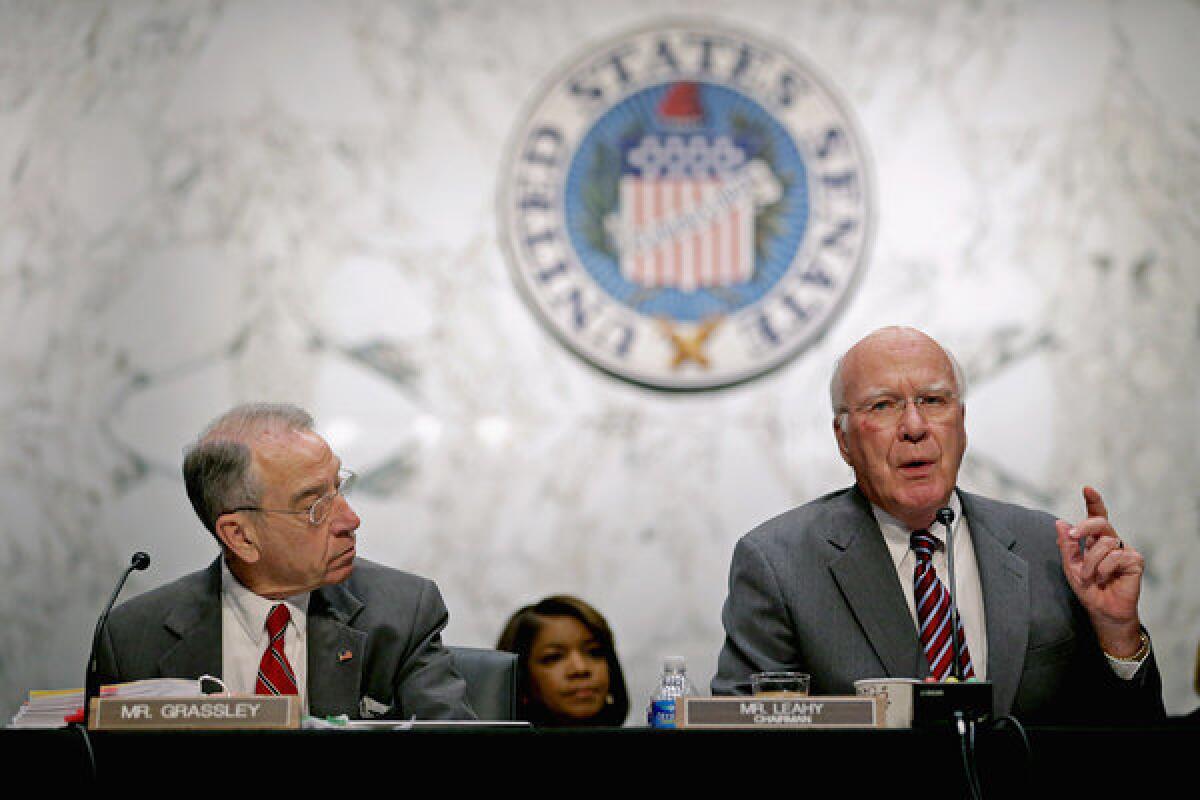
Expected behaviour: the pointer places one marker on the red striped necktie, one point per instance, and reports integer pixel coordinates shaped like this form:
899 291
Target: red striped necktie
933 612
275 674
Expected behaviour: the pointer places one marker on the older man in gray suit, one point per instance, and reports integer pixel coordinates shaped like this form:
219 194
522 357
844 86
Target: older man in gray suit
851 586
287 608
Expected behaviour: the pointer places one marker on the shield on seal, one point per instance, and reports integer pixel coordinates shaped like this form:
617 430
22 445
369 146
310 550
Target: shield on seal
687 204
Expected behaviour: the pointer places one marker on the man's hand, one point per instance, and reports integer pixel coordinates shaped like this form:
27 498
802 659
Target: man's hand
1105 574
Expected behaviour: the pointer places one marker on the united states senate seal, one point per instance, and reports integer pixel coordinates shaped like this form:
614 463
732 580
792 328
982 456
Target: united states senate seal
686 206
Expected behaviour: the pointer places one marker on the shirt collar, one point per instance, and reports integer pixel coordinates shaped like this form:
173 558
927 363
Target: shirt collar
898 536
251 609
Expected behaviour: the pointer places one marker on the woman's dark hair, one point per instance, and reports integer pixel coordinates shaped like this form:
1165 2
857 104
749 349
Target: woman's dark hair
518 636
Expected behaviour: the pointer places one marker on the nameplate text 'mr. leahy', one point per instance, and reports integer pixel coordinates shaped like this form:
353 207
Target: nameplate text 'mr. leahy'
780 712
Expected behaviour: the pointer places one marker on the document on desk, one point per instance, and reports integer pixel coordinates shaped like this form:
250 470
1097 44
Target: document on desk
343 723
50 708
155 687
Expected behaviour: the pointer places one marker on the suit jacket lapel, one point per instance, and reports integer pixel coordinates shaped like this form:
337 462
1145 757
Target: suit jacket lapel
196 621
336 652
1004 579
866 575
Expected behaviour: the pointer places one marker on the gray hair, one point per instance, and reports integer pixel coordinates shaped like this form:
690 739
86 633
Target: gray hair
218 467
837 387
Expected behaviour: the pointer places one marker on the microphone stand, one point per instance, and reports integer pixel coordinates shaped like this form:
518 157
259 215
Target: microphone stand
91 684
946 517
964 726
91 679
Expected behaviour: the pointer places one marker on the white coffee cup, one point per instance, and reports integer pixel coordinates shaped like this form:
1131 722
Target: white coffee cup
898 694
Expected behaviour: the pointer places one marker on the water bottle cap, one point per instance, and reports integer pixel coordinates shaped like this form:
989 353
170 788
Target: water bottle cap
674 664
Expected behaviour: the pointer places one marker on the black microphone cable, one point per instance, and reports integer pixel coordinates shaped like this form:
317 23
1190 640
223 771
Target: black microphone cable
967 730
966 741
1016 725
87 751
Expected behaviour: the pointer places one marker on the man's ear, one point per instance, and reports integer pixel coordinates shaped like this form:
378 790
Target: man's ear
840 435
963 422
238 538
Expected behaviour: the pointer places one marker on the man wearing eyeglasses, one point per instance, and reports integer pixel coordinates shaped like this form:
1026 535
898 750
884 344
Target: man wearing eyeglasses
854 584
287 608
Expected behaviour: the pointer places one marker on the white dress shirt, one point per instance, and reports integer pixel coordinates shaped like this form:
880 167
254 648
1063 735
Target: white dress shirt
968 591
244 635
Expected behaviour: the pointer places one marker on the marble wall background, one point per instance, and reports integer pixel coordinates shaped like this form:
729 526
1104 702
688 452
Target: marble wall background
205 203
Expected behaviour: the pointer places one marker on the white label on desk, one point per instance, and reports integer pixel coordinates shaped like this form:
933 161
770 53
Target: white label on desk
780 712
211 712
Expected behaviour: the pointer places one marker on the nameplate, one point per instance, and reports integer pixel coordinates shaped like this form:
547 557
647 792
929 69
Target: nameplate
780 712
211 712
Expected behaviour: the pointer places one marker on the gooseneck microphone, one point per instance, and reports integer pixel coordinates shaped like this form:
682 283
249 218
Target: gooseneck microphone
965 727
91 685
946 517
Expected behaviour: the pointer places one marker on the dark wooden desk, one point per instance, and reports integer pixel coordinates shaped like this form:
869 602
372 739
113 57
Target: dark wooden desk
1067 762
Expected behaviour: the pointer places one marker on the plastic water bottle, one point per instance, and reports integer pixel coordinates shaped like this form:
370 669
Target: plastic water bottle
674 685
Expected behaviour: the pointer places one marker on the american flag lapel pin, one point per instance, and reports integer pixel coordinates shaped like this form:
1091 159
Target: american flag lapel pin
345 656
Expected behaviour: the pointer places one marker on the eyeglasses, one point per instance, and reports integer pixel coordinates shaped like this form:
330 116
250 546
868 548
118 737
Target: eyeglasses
933 406
318 512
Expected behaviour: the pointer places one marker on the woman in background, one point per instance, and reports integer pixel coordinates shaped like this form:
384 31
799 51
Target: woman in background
569 673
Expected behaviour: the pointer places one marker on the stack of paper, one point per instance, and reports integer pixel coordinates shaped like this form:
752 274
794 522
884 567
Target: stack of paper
48 708
54 708
154 687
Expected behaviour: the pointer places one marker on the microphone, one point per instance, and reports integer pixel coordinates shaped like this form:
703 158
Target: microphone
946 517
964 725
91 687
961 704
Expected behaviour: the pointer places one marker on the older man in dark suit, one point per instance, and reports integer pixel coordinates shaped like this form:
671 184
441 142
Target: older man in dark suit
288 608
851 585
